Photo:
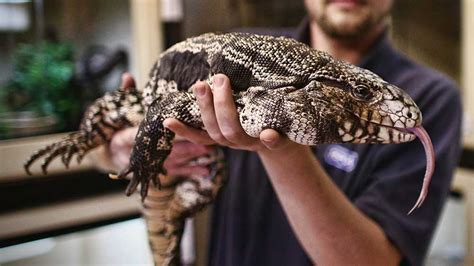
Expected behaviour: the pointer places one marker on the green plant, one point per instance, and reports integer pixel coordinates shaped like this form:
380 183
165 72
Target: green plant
41 81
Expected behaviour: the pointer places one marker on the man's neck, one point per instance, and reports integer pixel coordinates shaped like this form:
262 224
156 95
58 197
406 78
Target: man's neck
350 50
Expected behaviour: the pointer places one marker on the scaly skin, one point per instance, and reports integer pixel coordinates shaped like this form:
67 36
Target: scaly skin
277 83
166 209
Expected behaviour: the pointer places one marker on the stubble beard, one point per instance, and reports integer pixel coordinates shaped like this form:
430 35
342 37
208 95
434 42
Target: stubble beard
353 26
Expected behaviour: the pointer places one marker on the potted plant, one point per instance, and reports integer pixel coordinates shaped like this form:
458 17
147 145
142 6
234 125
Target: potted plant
40 96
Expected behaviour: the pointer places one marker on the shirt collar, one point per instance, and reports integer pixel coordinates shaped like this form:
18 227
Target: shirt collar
301 32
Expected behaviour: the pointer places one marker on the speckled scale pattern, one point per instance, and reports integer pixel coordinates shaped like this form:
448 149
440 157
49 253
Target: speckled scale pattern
277 83
108 114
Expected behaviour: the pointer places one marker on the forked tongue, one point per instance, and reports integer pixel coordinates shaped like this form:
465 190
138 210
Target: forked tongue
421 133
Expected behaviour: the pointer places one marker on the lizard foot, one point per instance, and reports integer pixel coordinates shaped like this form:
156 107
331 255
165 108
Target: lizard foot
141 176
74 143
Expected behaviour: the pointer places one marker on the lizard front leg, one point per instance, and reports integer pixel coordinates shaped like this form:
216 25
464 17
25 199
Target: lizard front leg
262 108
107 115
288 110
153 142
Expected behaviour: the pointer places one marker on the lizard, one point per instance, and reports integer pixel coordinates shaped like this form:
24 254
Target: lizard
277 82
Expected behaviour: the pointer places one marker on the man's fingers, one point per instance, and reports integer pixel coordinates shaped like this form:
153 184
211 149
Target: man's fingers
124 138
205 102
127 81
188 171
226 112
183 148
272 139
185 151
121 159
192 134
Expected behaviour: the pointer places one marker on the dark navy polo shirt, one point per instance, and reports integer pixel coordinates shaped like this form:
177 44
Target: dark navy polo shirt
249 226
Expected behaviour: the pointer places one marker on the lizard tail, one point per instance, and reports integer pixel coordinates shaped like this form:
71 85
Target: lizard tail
164 230
165 209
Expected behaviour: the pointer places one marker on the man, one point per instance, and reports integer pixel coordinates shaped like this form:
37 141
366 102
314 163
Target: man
286 204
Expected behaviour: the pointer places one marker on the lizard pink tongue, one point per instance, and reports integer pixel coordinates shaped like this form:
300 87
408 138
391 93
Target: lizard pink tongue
421 133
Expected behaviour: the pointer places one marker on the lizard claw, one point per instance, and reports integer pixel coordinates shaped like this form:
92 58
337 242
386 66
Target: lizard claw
65 148
142 177
67 156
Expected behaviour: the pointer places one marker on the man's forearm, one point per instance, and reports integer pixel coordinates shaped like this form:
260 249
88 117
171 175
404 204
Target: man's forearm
330 228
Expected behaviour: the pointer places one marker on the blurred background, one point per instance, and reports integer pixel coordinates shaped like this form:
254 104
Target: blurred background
56 56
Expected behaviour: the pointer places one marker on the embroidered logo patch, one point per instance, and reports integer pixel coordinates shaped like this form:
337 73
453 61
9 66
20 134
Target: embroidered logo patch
341 158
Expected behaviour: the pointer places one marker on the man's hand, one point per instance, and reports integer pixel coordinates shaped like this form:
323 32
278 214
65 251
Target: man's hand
221 121
179 161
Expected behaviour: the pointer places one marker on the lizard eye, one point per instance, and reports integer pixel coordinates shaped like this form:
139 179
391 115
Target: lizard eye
362 92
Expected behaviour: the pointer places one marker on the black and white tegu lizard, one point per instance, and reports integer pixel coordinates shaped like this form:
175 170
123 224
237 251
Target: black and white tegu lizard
277 83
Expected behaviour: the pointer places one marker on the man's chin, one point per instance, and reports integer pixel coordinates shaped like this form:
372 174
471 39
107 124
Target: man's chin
343 23
344 29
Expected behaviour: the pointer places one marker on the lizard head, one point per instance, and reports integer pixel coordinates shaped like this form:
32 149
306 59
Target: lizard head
366 108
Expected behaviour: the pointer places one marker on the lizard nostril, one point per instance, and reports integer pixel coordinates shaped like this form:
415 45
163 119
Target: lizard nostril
410 115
